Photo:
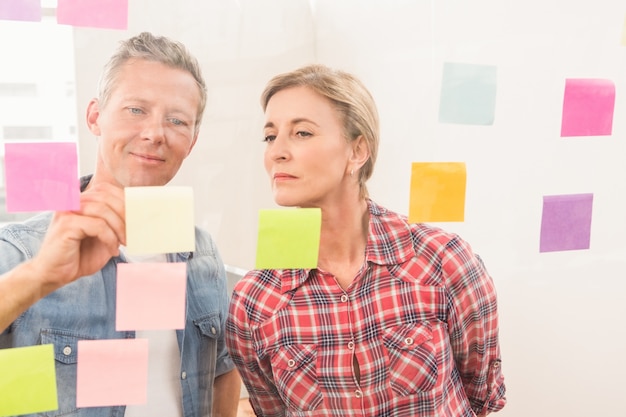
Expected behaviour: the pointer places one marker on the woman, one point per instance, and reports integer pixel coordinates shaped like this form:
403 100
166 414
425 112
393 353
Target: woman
397 319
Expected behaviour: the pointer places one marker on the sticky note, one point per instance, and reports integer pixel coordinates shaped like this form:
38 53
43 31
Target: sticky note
112 372
588 107
27 380
566 222
151 296
159 219
103 14
437 192
41 176
288 238
468 94
24 10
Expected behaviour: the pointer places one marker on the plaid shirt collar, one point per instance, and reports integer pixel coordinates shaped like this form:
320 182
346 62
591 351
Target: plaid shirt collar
389 243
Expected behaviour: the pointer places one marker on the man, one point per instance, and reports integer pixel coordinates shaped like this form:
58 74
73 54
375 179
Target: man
58 281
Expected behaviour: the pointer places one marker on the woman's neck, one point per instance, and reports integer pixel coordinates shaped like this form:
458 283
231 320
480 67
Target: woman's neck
343 240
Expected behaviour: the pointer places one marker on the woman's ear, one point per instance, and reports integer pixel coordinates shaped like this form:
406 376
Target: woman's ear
360 152
93 113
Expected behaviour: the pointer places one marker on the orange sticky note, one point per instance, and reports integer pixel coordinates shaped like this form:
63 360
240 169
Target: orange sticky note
112 372
437 192
151 296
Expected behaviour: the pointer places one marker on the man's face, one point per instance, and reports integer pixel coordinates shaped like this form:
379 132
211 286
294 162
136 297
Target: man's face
147 127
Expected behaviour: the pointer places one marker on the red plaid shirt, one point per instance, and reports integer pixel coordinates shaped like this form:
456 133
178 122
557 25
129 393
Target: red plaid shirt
420 319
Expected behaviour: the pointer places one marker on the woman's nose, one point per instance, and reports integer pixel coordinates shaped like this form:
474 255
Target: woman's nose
279 148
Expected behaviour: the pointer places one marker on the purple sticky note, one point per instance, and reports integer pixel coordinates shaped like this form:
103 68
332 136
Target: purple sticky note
588 107
41 176
103 14
23 10
566 222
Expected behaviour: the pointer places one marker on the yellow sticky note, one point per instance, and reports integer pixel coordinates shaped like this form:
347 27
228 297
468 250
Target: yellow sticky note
27 380
159 220
437 192
288 238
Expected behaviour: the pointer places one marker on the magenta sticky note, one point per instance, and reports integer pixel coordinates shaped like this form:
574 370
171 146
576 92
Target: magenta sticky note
103 14
112 372
41 176
151 296
23 10
566 222
588 107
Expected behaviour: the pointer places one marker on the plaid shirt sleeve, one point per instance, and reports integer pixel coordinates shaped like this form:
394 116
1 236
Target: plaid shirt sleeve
264 396
473 327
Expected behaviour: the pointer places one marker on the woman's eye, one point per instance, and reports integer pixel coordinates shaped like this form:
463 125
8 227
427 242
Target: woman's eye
269 138
303 134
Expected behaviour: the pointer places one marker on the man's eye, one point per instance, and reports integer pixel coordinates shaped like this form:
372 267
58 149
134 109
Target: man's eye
177 122
269 138
135 110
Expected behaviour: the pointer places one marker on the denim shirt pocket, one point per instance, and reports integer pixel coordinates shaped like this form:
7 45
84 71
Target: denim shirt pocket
209 326
412 357
65 345
295 375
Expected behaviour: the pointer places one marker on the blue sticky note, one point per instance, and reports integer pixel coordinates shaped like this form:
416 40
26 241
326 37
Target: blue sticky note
468 94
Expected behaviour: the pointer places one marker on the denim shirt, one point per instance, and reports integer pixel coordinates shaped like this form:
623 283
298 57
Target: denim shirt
85 310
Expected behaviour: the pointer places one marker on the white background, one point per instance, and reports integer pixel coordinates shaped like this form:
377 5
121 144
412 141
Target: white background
562 330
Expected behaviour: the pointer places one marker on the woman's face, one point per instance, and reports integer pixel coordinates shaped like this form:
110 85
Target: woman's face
307 156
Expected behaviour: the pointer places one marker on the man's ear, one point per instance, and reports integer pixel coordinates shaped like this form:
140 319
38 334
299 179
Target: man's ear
93 113
360 152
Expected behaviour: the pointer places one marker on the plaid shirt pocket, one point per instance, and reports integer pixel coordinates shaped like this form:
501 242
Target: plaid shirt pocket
295 375
412 358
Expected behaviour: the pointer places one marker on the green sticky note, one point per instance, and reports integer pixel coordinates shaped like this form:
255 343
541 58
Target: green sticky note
27 380
288 238
159 220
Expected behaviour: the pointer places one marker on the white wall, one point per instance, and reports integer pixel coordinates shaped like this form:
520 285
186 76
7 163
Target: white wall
563 340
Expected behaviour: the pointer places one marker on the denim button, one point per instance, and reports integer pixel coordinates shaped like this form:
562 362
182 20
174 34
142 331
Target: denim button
67 351
184 375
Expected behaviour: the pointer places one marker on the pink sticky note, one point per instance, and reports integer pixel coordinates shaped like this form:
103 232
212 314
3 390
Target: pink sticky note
588 107
151 296
24 10
103 14
112 372
41 176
